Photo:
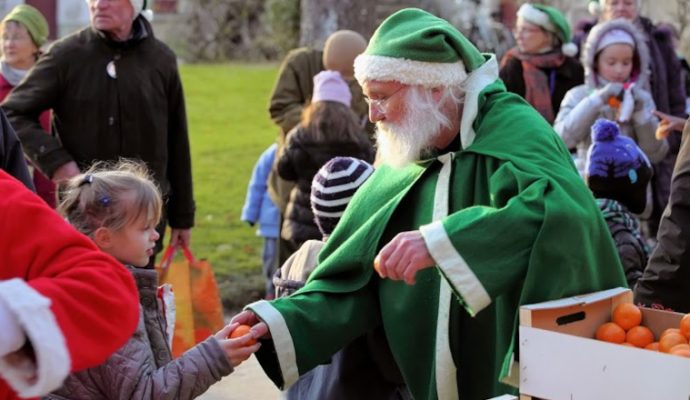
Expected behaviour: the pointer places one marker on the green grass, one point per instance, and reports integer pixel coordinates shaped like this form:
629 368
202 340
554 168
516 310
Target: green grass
229 128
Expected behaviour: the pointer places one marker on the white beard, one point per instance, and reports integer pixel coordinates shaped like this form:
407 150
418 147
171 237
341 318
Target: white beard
408 141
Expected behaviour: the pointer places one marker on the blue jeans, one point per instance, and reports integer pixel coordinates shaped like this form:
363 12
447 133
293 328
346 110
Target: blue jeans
270 263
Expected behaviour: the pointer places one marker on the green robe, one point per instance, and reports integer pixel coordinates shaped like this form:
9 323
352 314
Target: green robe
521 228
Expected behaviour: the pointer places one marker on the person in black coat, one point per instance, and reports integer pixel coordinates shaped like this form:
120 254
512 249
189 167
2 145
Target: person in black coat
665 282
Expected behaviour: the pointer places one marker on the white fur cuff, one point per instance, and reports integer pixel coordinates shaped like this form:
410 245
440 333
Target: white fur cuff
33 378
282 340
408 72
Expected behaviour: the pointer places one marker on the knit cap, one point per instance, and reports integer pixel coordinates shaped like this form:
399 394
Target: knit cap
615 36
616 167
32 19
333 187
553 21
330 86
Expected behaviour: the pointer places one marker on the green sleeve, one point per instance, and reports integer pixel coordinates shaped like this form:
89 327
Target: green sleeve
308 327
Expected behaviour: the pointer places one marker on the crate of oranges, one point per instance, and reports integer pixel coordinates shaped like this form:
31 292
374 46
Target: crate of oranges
602 346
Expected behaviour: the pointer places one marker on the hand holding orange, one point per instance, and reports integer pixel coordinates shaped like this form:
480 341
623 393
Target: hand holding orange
241 331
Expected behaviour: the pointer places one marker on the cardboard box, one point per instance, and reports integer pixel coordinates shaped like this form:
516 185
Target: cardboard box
559 359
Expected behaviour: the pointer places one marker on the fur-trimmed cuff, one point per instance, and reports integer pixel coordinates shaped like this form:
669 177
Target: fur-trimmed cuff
45 373
282 340
454 267
408 72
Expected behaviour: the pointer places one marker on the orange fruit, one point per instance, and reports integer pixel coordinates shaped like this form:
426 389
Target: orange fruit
628 344
685 326
652 346
640 336
610 332
627 315
669 330
683 352
377 265
669 340
241 331
614 102
679 347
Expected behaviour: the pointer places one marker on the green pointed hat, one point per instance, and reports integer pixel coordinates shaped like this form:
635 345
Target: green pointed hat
414 47
417 48
553 21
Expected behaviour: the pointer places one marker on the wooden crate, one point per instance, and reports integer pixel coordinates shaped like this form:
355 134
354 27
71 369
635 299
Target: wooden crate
559 359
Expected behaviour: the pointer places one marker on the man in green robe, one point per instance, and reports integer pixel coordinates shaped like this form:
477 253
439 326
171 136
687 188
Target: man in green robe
476 210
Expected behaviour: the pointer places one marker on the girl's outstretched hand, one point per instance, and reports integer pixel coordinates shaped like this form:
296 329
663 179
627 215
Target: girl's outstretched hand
237 349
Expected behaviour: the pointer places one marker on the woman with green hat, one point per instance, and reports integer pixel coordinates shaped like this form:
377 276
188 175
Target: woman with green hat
24 31
541 68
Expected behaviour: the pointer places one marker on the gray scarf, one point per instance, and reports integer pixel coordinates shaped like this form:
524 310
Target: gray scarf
12 75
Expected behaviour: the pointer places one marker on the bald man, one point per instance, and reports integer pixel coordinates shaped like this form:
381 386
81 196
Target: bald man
293 90
294 86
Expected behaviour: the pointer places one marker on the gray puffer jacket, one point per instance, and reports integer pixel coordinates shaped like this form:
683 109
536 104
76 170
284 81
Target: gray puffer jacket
143 368
581 106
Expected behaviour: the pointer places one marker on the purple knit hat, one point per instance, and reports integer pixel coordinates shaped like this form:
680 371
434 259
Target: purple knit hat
330 86
616 167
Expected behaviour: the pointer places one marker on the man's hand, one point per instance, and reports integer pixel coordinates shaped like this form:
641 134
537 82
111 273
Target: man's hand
180 237
65 172
259 329
667 124
403 256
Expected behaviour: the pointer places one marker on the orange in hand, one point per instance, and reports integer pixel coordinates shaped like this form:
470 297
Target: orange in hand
614 102
377 265
241 331
627 315
610 332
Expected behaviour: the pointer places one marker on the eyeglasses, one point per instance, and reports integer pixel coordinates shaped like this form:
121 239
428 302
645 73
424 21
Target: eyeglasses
380 104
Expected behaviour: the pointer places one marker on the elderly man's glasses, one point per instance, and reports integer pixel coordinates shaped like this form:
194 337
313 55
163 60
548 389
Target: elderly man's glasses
380 104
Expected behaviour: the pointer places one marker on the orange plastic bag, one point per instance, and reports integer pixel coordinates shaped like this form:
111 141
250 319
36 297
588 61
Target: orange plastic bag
199 312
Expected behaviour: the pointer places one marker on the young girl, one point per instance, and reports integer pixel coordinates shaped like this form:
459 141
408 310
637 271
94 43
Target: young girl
119 209
616 61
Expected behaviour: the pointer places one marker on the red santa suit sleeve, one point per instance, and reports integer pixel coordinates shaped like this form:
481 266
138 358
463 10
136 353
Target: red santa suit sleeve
76 304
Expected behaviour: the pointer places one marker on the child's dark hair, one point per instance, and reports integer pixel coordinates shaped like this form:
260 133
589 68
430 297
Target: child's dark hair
112 196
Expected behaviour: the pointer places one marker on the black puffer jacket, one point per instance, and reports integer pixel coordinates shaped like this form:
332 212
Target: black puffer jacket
300 160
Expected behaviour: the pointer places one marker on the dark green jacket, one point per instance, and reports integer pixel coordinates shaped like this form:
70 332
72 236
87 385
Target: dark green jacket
140 114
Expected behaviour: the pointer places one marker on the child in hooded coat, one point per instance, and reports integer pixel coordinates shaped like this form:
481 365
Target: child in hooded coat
616 62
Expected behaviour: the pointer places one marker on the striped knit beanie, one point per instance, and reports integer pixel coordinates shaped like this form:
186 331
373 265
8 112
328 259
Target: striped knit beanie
333 187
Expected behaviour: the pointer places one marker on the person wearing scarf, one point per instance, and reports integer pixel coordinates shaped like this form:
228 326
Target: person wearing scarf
541 68
24 31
